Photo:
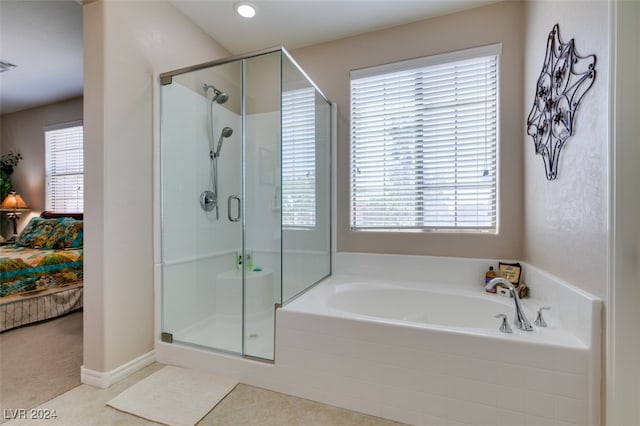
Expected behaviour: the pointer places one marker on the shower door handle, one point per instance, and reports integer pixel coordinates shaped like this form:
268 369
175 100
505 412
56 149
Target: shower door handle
233 197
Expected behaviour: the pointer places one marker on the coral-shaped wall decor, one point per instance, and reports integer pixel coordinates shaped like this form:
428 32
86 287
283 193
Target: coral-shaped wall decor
565 79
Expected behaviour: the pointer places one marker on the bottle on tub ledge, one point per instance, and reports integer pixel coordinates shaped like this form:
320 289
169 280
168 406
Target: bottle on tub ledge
488 276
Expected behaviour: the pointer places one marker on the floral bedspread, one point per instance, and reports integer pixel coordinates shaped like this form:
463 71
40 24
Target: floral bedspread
24 271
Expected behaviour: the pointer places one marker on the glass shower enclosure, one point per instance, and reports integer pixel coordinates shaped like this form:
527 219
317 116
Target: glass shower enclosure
245 198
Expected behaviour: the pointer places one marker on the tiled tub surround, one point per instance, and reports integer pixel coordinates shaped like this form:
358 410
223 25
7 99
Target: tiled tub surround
434 373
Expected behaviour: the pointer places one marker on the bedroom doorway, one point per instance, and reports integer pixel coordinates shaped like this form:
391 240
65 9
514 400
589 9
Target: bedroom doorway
41 314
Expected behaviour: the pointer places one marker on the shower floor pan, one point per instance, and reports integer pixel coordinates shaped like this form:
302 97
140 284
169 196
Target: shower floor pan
224 335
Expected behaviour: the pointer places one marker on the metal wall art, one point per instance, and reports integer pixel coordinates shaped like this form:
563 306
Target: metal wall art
565 79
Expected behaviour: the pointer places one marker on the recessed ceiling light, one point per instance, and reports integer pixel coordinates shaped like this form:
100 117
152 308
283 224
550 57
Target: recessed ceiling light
245 9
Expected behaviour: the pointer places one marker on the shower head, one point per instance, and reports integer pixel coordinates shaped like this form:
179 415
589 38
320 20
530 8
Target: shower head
221 97
218 96
226 132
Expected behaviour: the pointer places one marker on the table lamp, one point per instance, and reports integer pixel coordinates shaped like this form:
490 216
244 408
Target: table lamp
14 205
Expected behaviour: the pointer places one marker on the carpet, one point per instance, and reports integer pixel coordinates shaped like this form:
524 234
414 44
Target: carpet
40 361
174 396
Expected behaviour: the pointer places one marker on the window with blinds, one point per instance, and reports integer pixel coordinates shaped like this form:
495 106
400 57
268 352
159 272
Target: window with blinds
64 169
423 143
299 158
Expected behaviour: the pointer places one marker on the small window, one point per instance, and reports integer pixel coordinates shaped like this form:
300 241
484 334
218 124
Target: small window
299 158
423 143
64 168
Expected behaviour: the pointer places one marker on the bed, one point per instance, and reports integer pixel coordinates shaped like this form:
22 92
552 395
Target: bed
41 273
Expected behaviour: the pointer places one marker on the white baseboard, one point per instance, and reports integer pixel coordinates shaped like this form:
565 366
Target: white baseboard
105 379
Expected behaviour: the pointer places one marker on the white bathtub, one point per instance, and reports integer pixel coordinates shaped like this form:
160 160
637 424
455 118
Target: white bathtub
408 303
379 338
419 304
415 339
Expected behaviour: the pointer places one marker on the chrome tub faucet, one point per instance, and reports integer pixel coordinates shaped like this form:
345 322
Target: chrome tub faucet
520 320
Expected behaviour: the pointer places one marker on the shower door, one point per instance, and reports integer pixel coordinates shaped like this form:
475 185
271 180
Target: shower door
220 201
201 202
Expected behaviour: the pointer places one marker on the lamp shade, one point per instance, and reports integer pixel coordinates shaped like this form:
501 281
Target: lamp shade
13 202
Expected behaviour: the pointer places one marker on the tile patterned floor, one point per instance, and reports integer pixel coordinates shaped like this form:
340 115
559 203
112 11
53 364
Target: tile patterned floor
245 405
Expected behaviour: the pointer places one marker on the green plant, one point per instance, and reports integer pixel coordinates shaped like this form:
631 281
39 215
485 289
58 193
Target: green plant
8 162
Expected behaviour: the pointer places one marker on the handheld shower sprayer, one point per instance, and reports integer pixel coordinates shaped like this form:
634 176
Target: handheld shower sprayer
210 197
226 132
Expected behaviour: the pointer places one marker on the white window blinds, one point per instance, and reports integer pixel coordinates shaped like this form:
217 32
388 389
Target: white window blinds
64 168
299 158
423 143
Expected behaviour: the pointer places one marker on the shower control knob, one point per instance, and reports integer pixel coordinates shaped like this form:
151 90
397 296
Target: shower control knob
207 200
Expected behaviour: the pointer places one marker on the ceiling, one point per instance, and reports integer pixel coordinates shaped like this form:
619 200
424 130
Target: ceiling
44 37
298 23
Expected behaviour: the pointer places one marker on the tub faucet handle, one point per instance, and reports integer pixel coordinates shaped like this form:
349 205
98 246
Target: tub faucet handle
540 322
504 325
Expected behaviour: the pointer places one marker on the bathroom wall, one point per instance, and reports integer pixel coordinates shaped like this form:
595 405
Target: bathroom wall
306 252
328 64
188 230
23 132
565 228
262 153
623 315
263 238
125 43
195 246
